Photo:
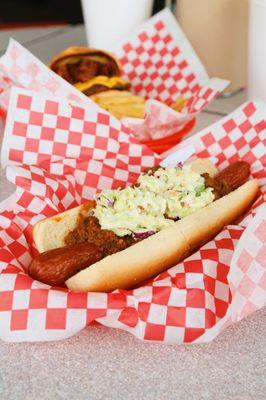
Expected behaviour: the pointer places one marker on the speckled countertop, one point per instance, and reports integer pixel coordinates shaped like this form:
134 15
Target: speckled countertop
101 363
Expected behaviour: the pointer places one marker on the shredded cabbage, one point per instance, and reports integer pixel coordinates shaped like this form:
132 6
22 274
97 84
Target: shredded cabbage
155 203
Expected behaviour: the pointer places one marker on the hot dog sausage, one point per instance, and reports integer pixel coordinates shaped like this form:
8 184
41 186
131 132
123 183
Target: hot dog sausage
228 179
54 267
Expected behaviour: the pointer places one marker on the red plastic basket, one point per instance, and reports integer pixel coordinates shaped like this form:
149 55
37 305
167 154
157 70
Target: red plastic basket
162 145
3 114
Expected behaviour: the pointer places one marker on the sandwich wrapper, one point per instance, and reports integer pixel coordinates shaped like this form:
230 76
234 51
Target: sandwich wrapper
58 153
158 61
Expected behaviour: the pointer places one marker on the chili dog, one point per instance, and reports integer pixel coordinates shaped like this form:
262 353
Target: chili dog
117 242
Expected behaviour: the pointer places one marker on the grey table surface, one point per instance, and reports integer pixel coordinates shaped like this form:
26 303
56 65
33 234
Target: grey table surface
102 363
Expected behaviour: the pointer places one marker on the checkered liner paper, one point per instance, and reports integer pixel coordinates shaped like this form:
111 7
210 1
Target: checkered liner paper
158 61
58 154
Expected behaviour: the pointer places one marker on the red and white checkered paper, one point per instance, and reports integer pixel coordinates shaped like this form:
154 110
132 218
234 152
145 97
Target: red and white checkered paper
161 64
161 121
158 61
59 154
20 68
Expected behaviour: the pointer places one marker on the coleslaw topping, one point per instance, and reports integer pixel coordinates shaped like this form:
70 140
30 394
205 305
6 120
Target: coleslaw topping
157 200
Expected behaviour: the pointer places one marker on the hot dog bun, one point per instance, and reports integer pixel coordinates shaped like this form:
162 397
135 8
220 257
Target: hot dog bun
166 248
49 233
